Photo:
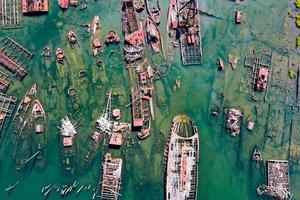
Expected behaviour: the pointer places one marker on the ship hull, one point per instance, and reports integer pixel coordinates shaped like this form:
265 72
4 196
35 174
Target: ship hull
182 154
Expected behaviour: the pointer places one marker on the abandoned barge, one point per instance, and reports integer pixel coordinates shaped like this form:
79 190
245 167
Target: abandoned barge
181 164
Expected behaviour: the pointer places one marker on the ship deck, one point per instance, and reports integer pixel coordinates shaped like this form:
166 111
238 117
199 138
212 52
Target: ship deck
111 179
182 168
188 11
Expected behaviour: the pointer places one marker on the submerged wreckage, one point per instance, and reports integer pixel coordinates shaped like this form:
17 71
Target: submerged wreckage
278 180
111 179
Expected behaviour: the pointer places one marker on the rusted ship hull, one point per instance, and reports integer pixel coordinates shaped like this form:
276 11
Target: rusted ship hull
111 179
182 154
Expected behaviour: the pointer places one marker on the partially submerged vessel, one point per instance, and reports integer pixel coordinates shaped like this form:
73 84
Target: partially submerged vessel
35 6
96 45
26 103
38 121
153 35
64 4
139 5
189 31
22 151
238 17
234 121
278 186
72 38
103 127
144 133
172 23
112 38
60 55
182 156
256 155
262 78
220 64
111 178
153 9
68 143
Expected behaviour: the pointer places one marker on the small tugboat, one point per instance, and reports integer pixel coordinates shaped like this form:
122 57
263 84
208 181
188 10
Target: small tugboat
144 134
38 120
232 61
73 2
82 6
153 35
116 114
26 103
46 52
112 38
72 38
60 56
64 4
96 44
257 156
103 126
262 79
238 17
220 64
111 178
234 121
172 23
95 24
181 160
153 9
68 144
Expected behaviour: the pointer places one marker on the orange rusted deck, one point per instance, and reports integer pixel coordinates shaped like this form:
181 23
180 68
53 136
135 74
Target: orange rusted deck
34 6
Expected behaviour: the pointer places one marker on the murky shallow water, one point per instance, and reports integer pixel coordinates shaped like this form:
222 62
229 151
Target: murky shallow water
225 168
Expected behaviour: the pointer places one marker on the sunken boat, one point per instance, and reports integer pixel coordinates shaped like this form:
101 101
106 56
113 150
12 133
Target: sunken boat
153 35
68 144
103 127
181 164
153 9
111 178
72 37
172 23
24 106
234 120
257 155
278 186
38 121
60 55
64 4
190 32
23 149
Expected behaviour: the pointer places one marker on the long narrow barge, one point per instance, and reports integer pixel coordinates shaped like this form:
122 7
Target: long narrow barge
184 20
182 156
111 179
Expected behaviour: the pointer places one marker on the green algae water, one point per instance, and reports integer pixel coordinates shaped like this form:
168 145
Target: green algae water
225 168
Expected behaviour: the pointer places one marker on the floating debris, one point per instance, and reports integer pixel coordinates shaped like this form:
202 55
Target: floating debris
11 187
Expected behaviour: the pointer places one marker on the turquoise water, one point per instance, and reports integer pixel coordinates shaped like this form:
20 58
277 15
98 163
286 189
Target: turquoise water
225 168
